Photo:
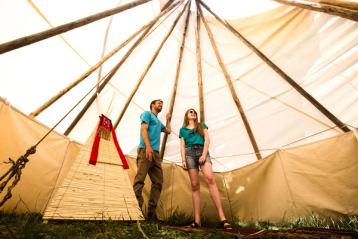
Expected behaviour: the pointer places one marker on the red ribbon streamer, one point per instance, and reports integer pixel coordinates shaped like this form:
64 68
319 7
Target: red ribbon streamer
95 146
103 121
119 150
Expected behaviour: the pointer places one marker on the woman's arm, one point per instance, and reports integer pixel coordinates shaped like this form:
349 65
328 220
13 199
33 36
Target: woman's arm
182 152
206 146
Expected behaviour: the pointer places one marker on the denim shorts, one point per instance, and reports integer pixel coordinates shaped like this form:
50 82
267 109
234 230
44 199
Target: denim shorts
192 155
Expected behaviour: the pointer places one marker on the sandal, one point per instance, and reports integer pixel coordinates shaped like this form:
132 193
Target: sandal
226 225
194 225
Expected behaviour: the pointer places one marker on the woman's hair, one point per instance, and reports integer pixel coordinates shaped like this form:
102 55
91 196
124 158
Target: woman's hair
198 126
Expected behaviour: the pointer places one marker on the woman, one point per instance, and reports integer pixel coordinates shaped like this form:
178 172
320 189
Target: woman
194 145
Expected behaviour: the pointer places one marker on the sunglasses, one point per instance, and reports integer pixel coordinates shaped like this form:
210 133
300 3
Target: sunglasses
192 111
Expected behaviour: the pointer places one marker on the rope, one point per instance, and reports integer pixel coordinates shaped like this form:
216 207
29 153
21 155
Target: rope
215 158
268 149
15 171
34 6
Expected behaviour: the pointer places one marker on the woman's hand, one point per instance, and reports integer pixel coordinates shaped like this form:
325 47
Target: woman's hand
184 165
202 159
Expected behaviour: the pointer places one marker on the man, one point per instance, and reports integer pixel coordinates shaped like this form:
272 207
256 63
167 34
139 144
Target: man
148 159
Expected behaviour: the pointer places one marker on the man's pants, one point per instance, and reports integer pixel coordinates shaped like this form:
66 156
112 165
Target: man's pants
154 170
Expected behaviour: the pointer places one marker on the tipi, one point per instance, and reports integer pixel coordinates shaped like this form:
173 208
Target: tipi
278 90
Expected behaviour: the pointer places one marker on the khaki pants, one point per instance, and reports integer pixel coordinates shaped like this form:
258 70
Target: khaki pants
154 170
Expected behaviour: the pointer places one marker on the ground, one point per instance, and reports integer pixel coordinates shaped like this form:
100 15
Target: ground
31 226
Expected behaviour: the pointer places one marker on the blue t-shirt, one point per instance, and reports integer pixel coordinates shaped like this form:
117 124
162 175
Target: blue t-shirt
191 136
155 127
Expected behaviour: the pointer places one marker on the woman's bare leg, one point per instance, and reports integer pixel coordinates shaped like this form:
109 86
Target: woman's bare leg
213 189
195 187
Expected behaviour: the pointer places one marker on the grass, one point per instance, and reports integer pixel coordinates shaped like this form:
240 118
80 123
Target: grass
30 226
345 223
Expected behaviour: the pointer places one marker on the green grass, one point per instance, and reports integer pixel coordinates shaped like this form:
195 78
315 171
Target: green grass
30 225
348 223
345 223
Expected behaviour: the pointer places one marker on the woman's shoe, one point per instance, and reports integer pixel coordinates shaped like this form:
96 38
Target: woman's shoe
226 225
194 225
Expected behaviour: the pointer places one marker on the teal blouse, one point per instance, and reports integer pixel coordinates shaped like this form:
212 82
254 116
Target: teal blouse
191 136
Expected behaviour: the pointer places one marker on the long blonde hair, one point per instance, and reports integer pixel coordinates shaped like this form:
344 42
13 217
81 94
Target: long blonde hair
198 126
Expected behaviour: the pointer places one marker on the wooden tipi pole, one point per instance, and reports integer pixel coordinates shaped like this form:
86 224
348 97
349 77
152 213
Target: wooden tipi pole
199 68
33 5
337 8
288 79
177 74
105 40
109 76
96 66
27 40
230 85
129 99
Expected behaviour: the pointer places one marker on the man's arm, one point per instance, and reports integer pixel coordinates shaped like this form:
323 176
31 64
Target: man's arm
148 147
168 128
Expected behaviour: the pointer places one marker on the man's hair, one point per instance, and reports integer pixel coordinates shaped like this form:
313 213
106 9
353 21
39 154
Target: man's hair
153 102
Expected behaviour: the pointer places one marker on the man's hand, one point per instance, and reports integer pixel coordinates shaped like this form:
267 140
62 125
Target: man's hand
168 128
149 153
